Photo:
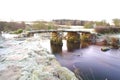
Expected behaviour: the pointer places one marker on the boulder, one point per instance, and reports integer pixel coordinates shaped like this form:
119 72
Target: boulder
105 48
65 74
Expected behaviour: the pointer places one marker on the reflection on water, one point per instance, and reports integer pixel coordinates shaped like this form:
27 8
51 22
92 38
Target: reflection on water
84 44
72 46
91 62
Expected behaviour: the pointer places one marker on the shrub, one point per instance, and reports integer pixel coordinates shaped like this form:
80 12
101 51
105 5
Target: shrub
17 31
103 30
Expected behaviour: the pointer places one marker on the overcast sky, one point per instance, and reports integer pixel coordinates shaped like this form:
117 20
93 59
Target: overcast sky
59 9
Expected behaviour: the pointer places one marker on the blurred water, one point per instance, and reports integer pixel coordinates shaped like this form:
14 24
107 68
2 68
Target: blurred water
92 63
9 36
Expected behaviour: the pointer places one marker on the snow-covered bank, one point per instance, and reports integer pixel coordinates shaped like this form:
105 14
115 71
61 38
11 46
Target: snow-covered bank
25 59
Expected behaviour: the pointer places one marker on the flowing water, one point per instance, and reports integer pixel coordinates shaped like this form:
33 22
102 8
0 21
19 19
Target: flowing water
91 63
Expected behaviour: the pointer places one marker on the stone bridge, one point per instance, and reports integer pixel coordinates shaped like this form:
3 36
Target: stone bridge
73 35
65 30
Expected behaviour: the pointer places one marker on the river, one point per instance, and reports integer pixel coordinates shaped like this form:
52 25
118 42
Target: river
91 62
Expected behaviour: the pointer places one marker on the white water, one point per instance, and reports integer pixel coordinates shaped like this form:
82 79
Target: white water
9 36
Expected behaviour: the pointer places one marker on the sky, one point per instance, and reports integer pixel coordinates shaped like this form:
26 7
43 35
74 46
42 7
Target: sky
29 10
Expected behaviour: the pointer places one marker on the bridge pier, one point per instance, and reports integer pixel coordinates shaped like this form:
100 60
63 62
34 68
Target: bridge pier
73 37
72 46
85 37
56 38
56 48
85 40
73 41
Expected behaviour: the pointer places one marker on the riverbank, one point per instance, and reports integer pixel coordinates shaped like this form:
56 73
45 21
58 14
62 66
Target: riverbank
25 59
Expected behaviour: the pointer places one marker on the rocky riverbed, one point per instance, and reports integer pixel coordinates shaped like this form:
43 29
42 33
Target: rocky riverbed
25 59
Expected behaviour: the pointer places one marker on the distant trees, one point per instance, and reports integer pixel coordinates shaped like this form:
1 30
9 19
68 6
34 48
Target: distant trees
104 27
2 24
43 25
116 22
89 25
11 26
69 22
51 25
102 23
38 25
92 24
107 29
85 23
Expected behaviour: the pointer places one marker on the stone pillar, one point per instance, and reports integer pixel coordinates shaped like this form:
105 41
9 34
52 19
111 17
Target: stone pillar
85 40
56 49
73 37
85 37
73 41
56 38
72 46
